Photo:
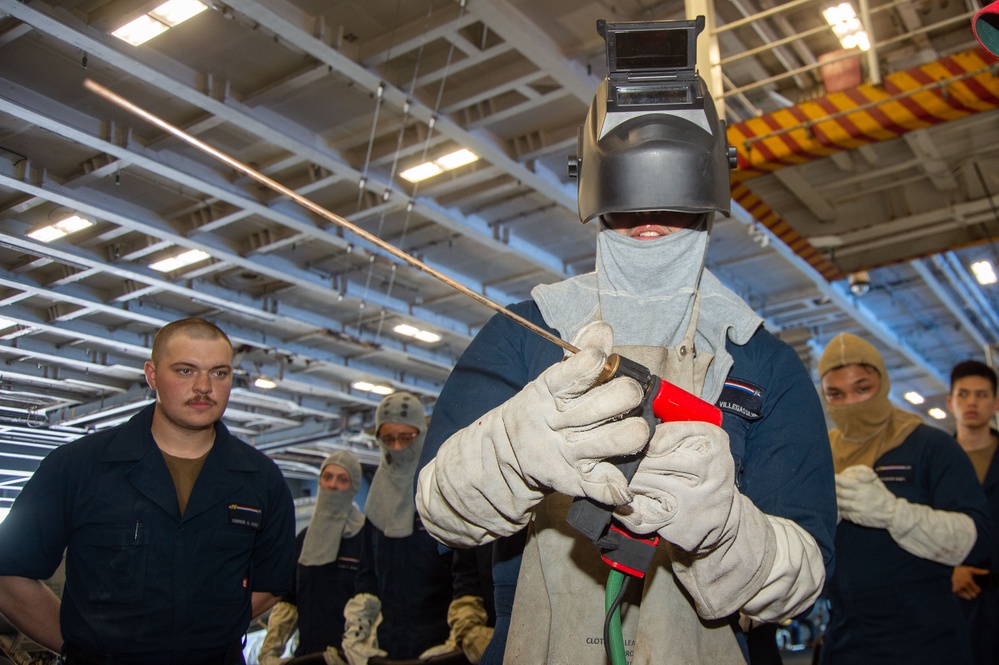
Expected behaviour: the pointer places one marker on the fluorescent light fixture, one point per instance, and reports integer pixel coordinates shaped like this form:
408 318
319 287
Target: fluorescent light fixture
158 21
912 397
985 273
372 388
437 166
141 30
406 329
174 12
60 229
456 159
6 323
846 26
427 336
3 513
939 414
422 172
413 331
179 261
265 383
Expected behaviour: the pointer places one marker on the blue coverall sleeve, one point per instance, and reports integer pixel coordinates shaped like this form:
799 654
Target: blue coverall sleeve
274 547
788 469
953 486
35 534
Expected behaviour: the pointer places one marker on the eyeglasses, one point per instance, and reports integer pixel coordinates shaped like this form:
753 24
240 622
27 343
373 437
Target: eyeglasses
404 439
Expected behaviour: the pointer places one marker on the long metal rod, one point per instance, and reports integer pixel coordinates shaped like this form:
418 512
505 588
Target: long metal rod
312 206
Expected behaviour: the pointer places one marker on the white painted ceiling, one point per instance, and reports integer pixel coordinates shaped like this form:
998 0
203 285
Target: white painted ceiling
334 99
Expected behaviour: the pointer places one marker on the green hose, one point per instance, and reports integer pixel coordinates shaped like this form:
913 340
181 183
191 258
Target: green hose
617 583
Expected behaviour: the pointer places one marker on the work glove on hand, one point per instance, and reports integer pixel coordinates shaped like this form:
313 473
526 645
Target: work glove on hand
938 535
553 435
280 625
863 499
466 616
362 615
723 547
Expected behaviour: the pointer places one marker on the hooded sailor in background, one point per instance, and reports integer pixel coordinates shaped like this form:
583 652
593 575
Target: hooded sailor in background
911 508
746 510
404 586
329 555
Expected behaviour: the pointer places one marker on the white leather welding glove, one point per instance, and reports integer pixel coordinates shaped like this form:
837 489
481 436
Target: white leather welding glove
938 535
281 624
551 436
723 548
466 616
362 615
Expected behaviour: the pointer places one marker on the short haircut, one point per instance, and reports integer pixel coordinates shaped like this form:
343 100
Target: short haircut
972 368
193 327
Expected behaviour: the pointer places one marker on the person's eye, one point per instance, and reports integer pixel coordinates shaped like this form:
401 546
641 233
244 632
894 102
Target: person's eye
183 371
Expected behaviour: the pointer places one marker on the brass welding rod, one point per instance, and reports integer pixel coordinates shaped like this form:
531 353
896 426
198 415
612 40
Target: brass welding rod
321 211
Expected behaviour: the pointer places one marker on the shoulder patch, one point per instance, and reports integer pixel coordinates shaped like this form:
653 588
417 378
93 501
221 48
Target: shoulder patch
742 398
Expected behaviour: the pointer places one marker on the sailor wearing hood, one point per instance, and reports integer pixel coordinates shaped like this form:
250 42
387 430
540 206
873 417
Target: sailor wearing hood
911 509
404 586
329 556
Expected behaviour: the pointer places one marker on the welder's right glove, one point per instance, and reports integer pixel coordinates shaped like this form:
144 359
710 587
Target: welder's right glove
728 554
362 615
552 435
280 625
938 535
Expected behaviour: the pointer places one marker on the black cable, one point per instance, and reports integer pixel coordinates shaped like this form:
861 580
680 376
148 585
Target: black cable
610 614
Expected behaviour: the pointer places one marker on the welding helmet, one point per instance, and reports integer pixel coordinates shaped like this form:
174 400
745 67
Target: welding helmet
652 139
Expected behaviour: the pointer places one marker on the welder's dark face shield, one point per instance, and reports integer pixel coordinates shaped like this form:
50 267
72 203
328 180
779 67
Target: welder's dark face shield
636 161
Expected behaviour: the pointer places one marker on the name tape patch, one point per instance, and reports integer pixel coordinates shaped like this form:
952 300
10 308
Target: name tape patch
742 398
895 473
245 516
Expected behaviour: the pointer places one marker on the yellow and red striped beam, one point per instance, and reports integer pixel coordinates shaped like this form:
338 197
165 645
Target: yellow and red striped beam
951 88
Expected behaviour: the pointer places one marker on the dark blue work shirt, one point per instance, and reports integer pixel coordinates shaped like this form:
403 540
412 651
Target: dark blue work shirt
144 584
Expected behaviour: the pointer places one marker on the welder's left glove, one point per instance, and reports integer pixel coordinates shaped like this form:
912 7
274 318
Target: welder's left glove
938 535
728 555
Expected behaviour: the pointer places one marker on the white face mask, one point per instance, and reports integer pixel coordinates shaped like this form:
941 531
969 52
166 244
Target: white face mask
640 281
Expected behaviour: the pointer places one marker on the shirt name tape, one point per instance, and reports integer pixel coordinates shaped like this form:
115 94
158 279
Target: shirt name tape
245 515
895 473
742 398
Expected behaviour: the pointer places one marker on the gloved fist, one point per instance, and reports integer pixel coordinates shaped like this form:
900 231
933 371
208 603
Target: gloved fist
466 616
863 499
362 615
281 624
684 487
562 426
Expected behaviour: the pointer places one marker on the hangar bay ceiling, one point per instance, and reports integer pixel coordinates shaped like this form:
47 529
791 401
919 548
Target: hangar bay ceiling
885 161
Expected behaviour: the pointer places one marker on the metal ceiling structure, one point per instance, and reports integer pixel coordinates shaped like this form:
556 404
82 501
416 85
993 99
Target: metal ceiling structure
896 173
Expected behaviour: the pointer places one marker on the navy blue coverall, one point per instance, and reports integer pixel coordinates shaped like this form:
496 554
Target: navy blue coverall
144 584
